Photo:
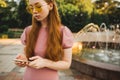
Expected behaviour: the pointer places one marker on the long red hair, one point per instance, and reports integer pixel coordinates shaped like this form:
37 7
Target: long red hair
54 49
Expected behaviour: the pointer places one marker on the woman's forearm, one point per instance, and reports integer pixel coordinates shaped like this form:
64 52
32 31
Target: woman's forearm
59 65
63 64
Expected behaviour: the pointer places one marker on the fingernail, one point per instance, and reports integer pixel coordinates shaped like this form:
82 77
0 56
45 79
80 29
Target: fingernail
30 58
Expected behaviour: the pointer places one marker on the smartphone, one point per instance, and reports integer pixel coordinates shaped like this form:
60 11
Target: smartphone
19 60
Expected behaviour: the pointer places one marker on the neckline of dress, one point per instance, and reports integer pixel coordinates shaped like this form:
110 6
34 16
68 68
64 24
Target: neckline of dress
43 27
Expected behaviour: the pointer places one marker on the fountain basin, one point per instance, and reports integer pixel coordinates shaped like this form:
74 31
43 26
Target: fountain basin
109 42
97 69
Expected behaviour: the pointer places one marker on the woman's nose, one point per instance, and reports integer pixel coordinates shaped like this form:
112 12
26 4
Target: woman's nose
34 11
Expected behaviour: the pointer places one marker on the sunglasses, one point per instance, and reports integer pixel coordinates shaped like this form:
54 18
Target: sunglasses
37 7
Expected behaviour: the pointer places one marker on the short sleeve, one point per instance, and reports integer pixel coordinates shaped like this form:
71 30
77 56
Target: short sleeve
23 37
67 38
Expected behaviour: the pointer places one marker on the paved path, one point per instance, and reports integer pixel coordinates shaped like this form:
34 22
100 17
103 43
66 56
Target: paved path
9 48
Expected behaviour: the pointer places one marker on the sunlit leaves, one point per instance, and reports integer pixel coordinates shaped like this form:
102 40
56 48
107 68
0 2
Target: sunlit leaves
69 8
106 6
3 3
87 6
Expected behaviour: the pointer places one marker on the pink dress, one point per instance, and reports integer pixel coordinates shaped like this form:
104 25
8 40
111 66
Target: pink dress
45 73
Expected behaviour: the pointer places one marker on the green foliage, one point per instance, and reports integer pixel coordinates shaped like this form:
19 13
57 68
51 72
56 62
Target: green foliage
115 17
73 13
12 34
106 6
100 18
68 9
8 15
3 3
23 15
3 29
107 11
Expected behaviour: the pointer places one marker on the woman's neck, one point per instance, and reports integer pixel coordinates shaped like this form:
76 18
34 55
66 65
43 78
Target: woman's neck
44 23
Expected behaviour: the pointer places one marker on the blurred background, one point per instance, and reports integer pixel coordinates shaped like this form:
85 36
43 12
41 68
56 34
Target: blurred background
96 28
74 13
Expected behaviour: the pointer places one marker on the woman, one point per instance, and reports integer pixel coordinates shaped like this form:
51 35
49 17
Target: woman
47 43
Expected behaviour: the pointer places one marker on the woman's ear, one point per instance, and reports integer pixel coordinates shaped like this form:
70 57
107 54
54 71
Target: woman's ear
50 6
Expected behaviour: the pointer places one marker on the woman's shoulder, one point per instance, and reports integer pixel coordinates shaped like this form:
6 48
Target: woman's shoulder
28 27
64 28
67 37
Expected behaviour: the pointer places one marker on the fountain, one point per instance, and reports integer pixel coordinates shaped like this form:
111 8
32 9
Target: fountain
96 52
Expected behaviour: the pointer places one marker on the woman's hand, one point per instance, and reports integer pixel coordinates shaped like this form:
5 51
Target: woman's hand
21 63
37 62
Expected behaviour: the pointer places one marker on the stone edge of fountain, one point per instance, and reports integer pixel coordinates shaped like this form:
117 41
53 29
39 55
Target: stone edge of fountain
97 69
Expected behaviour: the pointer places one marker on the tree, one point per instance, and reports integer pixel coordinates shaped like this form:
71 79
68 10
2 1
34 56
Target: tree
107 9
3 3
23 15
13 20
106 6
8 15
74 13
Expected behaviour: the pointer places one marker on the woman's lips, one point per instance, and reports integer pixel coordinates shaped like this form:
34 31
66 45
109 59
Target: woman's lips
37 17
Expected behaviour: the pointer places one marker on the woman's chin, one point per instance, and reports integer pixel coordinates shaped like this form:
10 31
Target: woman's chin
38 19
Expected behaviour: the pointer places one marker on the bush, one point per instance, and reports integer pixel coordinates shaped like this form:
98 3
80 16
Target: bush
3 29
10 34
14 34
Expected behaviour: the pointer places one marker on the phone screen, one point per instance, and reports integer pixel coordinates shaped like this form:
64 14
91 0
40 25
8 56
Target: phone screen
19 60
